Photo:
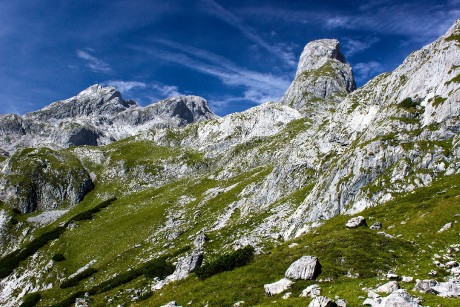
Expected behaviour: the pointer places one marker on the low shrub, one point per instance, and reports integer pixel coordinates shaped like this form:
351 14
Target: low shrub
226 262
408 103
30 300
58 257
88 214
157 268
75 280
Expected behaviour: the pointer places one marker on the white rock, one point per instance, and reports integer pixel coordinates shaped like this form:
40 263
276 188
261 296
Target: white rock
322 301
407 278
307 267
356 222
445 227
286 295
448 289
398 298
278 287
388 288
311 291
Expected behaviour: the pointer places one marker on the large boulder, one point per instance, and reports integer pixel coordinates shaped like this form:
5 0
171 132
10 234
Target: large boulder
187 265
398 298
356 222
278 287
322 301
307 267
388 288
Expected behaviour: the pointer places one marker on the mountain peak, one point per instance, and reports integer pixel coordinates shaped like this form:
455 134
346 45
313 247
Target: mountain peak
317 53
454 29
322 73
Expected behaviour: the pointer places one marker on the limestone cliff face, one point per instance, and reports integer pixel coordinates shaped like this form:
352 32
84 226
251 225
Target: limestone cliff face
43 179
322 75
96 116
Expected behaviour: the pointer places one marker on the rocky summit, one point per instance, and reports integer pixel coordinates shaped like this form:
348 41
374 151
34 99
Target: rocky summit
97 116
107 203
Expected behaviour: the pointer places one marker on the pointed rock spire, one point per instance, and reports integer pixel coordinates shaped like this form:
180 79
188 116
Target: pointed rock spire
322 74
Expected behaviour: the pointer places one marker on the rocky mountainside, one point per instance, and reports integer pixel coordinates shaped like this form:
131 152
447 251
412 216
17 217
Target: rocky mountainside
97 116
350 193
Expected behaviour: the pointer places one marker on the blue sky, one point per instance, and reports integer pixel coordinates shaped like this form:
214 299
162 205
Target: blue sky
235 54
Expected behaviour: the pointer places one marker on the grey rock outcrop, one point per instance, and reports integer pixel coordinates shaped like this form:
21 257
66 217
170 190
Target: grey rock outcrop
356 222
187 265
388 288
322 73
278 287
43 179
376 226
397 298
97 116
307 267
322 301
449 288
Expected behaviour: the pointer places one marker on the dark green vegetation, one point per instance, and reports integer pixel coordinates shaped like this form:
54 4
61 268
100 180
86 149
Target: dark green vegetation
58 257
74 280
31 300
226 262
408 103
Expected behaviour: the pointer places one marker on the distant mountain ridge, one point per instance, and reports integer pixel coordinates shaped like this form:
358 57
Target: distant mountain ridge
96 116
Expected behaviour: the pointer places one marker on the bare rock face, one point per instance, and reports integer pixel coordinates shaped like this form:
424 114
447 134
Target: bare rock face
322 74
307 267
187 265
43 179
97 116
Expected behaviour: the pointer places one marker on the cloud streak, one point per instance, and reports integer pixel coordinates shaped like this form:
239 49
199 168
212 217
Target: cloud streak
215 9
125 86
93 63
258 87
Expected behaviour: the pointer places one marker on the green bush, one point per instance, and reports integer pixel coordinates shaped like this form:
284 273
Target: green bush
72 282
226 262
88 214
31 300
157 268
116 281
58 257
408 103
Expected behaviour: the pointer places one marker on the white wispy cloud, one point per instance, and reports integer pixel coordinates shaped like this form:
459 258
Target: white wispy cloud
364 71
259 87
353 46
93 63
125 86
166 90
214 8
421 22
